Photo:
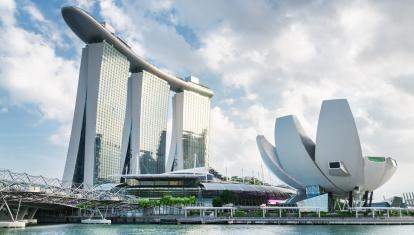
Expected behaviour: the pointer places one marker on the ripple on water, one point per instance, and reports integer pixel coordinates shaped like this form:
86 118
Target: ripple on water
81 229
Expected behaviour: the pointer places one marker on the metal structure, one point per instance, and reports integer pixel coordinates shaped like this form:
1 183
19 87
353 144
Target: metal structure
22 195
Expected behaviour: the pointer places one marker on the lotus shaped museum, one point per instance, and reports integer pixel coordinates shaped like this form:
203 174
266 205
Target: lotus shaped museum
334 165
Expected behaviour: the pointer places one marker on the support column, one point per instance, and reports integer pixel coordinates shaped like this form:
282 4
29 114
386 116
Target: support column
370 198
22 213
365 199
31 213
350 199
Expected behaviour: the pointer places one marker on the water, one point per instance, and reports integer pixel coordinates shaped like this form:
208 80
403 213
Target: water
80 229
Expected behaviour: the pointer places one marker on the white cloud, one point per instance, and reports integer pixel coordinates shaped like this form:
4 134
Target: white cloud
267 59
84 4
34 13
32 73
231 146
294 46
7 8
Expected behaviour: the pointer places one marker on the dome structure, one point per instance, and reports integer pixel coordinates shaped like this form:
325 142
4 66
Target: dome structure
332 165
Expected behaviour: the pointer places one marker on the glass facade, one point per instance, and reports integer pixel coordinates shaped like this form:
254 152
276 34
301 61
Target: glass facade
196 122
110 114
321 201
153 124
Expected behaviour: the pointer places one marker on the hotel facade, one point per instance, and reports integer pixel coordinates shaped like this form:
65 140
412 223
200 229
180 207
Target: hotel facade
121 112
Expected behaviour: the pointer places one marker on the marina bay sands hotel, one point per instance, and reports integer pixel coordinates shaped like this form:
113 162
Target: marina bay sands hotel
120 120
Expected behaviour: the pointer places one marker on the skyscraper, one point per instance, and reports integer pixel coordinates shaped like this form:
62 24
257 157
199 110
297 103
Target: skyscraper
191 121
121 111
95 145
143 148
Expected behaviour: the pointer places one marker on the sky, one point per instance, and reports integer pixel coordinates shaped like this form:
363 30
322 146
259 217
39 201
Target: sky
263 59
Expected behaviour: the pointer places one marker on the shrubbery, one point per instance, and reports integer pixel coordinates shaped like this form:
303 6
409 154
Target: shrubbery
166 201
225 197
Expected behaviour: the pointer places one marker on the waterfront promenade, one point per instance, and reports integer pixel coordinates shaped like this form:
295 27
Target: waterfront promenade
174 219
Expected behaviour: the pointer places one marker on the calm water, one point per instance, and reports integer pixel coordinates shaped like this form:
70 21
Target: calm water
79 229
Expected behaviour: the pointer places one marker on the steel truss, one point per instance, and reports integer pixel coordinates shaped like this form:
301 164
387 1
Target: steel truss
23 189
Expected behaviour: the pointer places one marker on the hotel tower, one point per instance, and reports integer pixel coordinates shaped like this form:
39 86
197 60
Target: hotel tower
120 119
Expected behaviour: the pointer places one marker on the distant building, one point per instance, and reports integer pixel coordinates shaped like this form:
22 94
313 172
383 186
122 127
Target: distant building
201 183
120 120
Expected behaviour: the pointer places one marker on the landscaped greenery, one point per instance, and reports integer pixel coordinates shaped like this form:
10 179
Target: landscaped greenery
166 201
225 197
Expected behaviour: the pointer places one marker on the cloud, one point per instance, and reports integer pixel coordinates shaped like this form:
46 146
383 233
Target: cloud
32 73
34 13
263 59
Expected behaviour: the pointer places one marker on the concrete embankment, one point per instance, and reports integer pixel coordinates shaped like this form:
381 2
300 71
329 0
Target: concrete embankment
244 220
299 221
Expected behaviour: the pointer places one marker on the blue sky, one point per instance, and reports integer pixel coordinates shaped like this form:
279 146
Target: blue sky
263 59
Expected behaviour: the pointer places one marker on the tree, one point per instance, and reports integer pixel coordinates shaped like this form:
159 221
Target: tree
226 197
217 202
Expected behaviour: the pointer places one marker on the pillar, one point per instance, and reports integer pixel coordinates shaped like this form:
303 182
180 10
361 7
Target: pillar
22 213
350 199
370 198
365 199
31 213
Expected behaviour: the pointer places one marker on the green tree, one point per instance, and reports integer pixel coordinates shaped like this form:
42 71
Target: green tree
217 202
226 197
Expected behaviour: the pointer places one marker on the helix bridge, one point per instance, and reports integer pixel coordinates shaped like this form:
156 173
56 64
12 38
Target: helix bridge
22 195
